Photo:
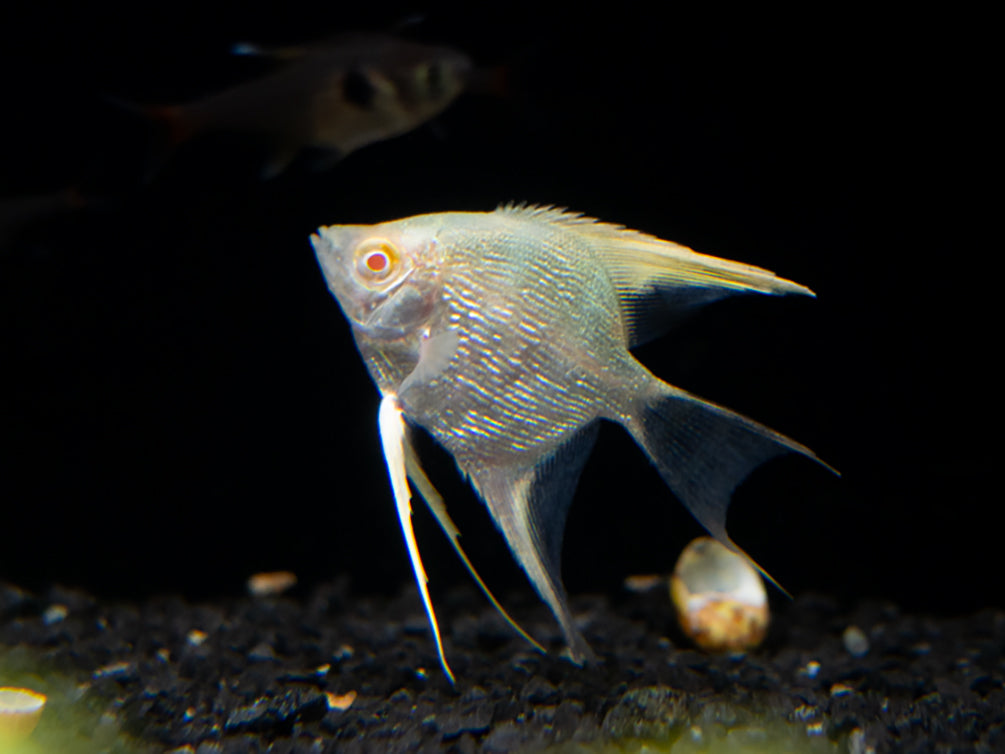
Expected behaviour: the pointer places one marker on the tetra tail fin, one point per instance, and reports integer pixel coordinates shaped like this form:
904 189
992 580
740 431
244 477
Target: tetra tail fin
704 451
176 127
169 126
495 81
172 120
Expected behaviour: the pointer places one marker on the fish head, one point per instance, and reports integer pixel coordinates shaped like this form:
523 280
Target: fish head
431 66
393 80
385 277
444 76
423 79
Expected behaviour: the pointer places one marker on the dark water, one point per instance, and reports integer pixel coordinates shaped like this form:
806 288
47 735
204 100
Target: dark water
182 404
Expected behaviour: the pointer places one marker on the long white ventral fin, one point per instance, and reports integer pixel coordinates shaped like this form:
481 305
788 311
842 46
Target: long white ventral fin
393 440
434 500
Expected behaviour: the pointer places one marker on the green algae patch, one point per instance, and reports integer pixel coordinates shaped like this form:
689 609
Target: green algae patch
656 713
75 720
771 738
663 720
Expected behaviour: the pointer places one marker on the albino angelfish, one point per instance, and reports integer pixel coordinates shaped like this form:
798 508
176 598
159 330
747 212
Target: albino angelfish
506 336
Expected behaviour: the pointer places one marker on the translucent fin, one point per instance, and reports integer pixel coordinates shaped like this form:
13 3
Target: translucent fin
531 506
169 126
322 159
435 502
658 282
704 451
279 161
393 440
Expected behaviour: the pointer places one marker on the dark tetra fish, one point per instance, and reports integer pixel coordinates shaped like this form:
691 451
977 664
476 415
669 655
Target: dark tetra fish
337 96
506 335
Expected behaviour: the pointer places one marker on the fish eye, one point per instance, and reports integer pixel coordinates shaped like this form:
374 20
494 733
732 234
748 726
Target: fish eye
435 79
358 89
376 260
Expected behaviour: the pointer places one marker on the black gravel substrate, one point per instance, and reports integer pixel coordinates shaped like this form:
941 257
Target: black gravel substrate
270 675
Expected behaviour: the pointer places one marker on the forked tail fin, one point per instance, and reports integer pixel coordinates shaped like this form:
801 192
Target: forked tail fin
169 126
704 451
172 121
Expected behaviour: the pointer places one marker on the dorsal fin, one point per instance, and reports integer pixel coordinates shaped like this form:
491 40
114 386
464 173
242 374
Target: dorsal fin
658 281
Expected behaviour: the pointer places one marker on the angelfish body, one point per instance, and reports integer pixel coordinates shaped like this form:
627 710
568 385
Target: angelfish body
506 335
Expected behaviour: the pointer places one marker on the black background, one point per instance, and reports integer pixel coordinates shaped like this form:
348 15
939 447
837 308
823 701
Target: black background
182 404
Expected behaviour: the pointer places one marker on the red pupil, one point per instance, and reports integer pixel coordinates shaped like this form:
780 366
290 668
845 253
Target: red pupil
376 262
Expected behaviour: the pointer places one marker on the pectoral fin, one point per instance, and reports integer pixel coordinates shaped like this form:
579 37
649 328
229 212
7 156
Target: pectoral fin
434 354
393 439
435 502
531 505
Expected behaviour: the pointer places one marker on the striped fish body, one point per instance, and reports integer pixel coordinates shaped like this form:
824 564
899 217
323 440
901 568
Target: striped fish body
540 348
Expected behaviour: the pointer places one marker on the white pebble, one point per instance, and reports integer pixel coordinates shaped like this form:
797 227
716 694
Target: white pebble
855 641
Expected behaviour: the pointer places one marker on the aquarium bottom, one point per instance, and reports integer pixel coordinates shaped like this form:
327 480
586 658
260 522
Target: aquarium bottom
326 670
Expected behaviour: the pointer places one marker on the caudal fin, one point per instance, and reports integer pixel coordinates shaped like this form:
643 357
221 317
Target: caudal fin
170 121
704 451
169 126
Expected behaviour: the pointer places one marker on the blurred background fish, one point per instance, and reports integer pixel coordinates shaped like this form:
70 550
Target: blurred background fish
335 95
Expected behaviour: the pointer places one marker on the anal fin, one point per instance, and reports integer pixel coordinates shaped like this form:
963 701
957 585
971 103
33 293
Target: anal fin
530 506
439 509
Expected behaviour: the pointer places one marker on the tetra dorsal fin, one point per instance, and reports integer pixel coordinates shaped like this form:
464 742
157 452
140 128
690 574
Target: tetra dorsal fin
435 502
530 506
657 281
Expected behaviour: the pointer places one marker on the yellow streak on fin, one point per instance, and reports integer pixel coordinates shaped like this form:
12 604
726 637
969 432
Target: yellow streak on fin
641 266
393 440
435 502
